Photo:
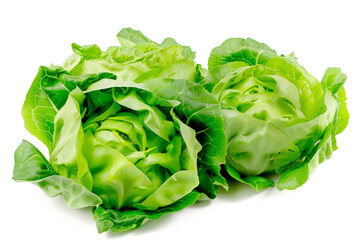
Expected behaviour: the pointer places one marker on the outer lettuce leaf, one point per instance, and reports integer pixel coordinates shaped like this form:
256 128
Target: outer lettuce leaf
336 114
118 221
235 53
298 174
47 94
256 182
129 37
38 110
238 49
31 165
333 80
138 59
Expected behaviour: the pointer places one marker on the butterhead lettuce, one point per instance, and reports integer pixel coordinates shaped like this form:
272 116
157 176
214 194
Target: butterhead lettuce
128 131
277 117
140 130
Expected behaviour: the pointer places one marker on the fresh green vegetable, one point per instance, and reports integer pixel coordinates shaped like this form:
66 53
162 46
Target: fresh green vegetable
140 130
128 132
139 60
278 118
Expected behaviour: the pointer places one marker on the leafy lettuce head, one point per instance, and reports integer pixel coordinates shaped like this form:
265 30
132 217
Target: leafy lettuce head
130 149
128 132
277 117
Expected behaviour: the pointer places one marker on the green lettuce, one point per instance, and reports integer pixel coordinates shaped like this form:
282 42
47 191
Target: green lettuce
140 60
129 132
277 117
140 130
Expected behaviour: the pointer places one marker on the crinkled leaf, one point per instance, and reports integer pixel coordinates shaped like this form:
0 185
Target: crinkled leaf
294 177
129 37
117 221
238 49
343 114
256 182
31 165
47 94
74 194
333 80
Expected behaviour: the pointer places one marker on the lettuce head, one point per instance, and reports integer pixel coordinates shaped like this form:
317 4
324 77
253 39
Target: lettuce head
128 131
278 118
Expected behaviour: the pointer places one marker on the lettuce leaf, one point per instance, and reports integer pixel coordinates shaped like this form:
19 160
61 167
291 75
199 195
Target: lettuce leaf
31 165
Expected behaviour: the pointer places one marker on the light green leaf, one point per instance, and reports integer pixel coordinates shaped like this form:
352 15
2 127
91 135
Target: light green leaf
238 49
118 221
31 165
74 194
256 182
294 177
276 114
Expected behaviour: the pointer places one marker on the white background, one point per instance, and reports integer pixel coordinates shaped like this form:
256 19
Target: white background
321 33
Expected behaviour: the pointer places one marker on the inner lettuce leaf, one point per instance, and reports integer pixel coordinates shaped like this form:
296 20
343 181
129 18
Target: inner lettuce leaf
277 117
